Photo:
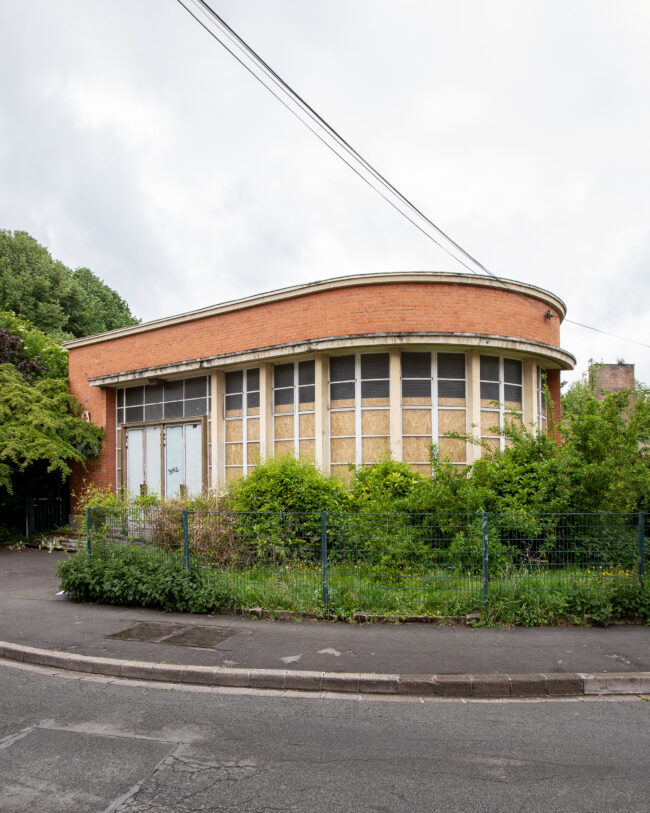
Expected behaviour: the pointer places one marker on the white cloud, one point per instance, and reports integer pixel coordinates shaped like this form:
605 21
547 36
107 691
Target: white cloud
133 144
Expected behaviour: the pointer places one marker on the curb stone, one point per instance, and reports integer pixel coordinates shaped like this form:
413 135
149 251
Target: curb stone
557 684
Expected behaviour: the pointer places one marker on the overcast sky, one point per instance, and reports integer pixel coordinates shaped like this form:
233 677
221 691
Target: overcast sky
133 144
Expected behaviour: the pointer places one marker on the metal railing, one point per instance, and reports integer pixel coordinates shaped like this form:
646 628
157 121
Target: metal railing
405 563
44 514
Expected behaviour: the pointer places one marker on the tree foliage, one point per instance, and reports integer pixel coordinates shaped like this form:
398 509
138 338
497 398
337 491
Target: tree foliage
57 300
39 421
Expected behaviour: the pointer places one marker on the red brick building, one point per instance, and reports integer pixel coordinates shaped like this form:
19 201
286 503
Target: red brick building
348 370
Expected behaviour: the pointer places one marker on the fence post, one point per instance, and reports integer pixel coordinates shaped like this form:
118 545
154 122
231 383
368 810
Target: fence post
642 548
186 542
29 517
323 556
485 558
88 522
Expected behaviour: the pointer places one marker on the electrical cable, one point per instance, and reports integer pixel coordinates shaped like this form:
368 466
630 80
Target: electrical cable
236 42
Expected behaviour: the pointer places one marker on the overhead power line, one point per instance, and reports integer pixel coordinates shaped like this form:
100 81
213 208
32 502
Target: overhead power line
252 62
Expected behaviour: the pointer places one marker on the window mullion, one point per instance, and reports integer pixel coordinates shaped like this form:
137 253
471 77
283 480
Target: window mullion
357 408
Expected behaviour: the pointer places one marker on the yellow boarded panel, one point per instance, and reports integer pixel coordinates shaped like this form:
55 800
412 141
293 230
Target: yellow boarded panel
425 470
375 402
307 449
283 408
486 402
233 413
451 420
234 454
253 411
375 422
341 473
283 426
457 402
515 419
516 405
343 450
416 422
253 429
233 430
413 401
233 474
374 449
415 450
283 448
491 443
307 425
341 423
307 407
253 453
452 449
489 423
342 403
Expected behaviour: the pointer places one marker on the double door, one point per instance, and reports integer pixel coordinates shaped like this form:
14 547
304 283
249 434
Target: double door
165 459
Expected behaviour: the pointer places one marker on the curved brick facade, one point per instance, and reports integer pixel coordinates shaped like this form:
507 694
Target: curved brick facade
425 310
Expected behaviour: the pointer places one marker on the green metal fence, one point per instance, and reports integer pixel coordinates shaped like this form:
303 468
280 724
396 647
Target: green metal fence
405 563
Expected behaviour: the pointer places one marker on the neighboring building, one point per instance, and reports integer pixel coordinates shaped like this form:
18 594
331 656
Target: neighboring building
612 377
349 370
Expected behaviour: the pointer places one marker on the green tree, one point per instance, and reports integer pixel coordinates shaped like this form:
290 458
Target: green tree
39 421
63 303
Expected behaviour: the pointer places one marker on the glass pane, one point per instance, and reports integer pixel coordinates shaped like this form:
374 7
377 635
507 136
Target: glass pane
340 392
196 387
234 402
284 396
306 372
451 365
374 389
252 399
153 451
153 394
134 396
196 407
512 371
193 459
342 368
120 415
416 388
374 365
134 460
512 393
174 391
120 398
174 410
283 375
489 368
174 474
489 392
153 412
307 395
134 414
253 379
456 389
235 381
416 365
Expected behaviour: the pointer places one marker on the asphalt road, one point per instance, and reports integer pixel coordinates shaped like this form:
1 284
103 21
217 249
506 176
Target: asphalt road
70 743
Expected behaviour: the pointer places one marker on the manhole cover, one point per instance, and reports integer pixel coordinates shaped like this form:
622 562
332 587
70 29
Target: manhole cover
158 632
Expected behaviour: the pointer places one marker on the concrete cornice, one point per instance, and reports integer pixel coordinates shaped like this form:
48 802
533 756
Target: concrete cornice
296 291
553 356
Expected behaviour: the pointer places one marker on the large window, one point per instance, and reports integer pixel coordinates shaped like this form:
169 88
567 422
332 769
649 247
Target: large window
359 403
242 414
434 405
501 397
163 437
294 401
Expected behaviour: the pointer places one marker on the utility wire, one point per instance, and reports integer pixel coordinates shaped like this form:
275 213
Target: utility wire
341 148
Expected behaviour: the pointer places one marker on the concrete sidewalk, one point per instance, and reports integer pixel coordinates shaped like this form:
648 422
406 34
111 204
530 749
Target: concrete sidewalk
321 655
